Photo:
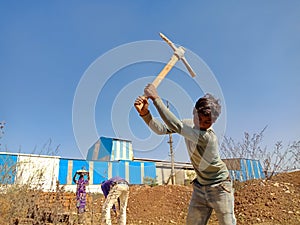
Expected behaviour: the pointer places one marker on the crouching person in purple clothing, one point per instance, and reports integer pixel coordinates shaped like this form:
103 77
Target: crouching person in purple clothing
115 190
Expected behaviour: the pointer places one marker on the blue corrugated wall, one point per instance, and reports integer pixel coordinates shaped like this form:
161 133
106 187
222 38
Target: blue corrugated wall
121 150
149 170
135 173
249 169
110 149
8 168
63 171
105 147
118 169
260 170
100 172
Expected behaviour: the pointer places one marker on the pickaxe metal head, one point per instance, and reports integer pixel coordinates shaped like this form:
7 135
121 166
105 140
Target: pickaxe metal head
179 52
178 55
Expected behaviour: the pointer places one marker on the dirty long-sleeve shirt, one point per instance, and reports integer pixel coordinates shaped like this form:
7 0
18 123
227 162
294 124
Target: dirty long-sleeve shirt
202 145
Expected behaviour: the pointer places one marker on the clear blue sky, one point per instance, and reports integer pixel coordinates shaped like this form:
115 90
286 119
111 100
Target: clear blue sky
46 47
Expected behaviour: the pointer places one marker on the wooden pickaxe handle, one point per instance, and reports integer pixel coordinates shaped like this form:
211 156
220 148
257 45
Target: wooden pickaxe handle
165 71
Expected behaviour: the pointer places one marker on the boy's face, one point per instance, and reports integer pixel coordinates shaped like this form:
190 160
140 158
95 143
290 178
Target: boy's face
202 120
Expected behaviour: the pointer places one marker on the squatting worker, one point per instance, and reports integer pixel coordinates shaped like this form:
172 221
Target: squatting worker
115 190
212 188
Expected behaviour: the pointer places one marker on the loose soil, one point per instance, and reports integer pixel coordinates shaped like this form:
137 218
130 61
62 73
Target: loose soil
271 202
256 202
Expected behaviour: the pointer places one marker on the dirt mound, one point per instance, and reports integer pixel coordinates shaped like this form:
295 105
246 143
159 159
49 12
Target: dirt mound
276 201
164 204
256 202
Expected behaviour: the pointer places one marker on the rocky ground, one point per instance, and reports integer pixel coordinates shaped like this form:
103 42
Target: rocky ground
256 202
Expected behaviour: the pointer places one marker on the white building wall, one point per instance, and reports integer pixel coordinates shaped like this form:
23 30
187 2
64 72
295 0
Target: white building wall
38 171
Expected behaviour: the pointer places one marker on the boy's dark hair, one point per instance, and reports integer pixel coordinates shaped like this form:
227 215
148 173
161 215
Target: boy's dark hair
208 105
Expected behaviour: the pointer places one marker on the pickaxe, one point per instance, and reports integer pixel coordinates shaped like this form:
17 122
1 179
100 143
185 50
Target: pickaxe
178 55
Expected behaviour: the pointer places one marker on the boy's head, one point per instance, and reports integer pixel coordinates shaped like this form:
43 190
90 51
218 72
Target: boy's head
206 112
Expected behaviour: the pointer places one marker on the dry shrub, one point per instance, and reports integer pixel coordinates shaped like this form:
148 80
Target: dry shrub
281 158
